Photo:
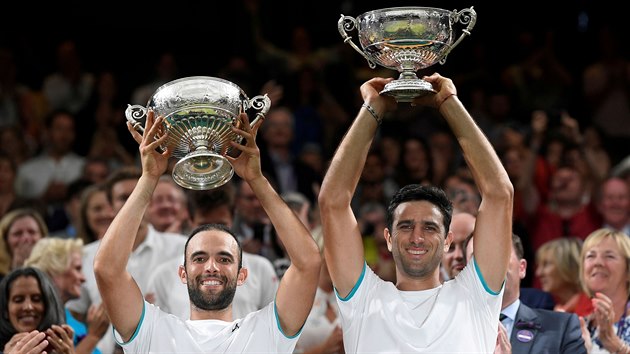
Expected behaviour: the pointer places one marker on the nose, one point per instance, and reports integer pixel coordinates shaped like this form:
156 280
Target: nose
212 266
28 304
417 236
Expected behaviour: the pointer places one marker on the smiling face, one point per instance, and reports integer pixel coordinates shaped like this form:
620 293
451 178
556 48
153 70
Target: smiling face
211 270
23 234
26 304
605 268
417 239
547 272
99 213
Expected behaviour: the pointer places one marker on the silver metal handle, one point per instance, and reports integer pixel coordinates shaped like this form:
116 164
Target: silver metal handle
466 16
347 24
261 103
135 113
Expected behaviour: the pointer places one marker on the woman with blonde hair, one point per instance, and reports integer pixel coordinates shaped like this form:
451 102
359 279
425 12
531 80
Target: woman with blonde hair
558 269
20 230
61 260
605 276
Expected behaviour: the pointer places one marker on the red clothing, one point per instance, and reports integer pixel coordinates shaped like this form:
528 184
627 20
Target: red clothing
547 225
580 304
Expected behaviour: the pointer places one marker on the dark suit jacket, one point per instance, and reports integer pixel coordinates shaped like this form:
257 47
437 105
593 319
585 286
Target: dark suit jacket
553 332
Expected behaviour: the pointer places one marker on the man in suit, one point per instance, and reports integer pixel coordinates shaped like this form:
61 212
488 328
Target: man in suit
532 330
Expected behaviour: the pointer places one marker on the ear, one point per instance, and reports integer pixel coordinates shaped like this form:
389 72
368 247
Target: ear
522 268
182 274
388 238
242 275
448 241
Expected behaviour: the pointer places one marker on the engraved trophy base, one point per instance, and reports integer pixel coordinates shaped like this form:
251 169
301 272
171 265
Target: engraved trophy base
202 170
406 90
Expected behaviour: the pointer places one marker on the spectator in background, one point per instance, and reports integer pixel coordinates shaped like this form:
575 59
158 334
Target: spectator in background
29 290
20 229
95 214
96 169
279 164
557 268
605 274
47 176
454 260
168 210
613 203
61 260
70 87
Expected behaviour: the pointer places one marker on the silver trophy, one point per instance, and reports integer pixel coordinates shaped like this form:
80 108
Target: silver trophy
406 39
199 113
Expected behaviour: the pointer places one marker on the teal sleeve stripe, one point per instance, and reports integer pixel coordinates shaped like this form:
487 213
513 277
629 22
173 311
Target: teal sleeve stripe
135 333
275 312
483 281
356 286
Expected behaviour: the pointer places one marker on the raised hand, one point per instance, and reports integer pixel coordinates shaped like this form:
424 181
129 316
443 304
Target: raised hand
154 161
33 342
247 163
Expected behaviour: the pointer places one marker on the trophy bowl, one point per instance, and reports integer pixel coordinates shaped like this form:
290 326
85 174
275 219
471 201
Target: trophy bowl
406 39
199 113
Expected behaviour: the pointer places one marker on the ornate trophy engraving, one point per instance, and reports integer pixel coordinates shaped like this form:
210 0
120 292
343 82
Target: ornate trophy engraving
199 113
406 39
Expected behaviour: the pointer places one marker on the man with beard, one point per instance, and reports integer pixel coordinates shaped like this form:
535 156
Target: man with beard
212 269
418 313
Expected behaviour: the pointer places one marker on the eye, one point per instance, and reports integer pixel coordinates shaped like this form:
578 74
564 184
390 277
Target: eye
198 259
225 260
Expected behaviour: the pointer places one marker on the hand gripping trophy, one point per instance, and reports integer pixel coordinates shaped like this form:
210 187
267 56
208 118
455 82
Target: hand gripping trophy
406 39
199 113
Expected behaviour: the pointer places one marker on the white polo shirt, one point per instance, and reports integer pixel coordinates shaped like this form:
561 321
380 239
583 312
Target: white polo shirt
160 332
376 317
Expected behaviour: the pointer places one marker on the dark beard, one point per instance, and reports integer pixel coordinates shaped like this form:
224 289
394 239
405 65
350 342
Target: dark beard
210 302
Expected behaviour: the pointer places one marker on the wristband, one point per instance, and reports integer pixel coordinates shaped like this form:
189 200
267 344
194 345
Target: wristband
373 113
444 100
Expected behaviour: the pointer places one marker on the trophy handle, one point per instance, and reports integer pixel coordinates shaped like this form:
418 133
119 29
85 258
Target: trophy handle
466 16
347 24
262 103
134 114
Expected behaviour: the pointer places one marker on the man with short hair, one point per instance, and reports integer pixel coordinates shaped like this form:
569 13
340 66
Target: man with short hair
418 312
614 204
212 268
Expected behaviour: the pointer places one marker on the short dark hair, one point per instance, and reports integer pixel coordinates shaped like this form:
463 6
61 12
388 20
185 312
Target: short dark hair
417 192
218 227
54 313
517 243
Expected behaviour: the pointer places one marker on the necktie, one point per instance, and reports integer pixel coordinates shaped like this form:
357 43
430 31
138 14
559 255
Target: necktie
502 317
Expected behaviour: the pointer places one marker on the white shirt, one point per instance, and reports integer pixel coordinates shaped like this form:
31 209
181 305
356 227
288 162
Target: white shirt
36 174
259 289
157 247
461 316
159 332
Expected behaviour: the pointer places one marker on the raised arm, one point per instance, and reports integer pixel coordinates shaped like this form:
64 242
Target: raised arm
121 295
493 228
342 237
296 291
